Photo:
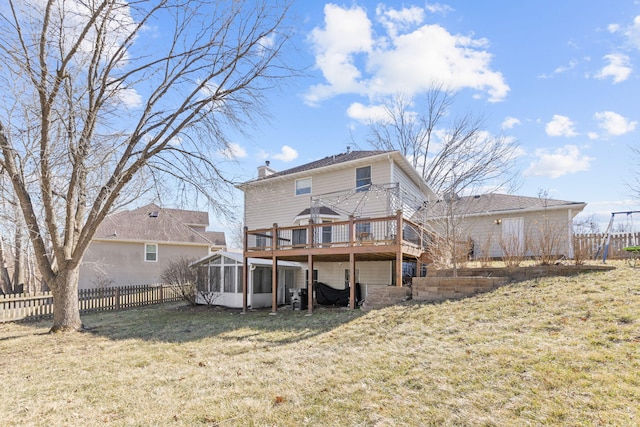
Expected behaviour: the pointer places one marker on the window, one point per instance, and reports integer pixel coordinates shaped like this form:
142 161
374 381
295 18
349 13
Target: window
346 276
299 236
326 233
229 278
363 231
363 178
201 279
240 279
150 252
214 278
303 186
262 280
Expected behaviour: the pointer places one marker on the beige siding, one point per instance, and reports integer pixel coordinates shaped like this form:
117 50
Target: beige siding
332 274
486 234
122 263
274 201
406 183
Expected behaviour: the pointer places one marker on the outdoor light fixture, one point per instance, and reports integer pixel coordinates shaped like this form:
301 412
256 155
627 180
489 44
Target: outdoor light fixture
498 221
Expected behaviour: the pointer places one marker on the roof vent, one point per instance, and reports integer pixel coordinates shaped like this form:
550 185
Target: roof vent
153 214
348 149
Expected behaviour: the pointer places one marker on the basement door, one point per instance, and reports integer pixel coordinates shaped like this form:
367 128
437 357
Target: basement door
513 235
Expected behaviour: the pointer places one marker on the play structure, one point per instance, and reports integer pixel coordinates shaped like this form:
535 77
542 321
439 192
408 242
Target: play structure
632 246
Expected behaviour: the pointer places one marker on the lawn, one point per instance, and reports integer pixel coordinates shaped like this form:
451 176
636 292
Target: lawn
554 351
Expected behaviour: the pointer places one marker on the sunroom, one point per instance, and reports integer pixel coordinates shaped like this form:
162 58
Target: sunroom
219 278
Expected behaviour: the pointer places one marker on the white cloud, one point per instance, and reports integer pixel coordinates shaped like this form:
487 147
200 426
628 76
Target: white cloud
287 154
346 32
618 68
633 33
560 126
407 57
562 161
395 20
510 122
613 123
129 97
564 68
233 151
439 8
366 114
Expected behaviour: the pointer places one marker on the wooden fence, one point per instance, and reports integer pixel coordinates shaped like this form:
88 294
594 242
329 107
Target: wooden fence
593 243
29 306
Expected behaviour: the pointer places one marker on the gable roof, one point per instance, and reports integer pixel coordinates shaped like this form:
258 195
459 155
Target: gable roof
494 203
342 160
335 159
152 223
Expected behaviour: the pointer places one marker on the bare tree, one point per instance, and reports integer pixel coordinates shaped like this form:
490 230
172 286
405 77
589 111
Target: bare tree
181 277
100 96
453 154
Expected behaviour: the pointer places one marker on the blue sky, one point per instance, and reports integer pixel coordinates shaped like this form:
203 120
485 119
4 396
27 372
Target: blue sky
562 78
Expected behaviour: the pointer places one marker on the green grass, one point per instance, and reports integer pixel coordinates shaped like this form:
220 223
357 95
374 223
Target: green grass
555 351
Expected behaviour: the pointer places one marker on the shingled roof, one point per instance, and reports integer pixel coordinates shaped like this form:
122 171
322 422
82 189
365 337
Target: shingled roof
494 203
328 161
152 223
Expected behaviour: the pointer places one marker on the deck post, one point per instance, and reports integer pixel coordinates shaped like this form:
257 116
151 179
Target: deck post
352 231
274 270
352 281
274 284
310 285
399 253
310 234
245 271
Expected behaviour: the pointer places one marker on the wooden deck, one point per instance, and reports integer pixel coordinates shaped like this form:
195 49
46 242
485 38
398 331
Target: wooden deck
362 239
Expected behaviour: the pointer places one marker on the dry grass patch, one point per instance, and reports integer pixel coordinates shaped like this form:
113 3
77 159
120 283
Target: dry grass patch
556 351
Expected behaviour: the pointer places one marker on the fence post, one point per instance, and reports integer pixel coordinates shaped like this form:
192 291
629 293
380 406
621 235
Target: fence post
117 298
161 293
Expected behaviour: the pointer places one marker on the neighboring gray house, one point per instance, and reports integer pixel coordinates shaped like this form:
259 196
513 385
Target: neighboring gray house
494 220
219 279
134 247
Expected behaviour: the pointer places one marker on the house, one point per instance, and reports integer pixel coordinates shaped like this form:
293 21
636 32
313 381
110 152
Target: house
351 218
219 279
499 225
134 247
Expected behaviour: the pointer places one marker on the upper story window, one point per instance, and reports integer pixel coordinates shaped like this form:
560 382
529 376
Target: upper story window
303 186
151 252
363 178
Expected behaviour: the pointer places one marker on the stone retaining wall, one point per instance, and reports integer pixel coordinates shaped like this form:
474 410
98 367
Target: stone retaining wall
444 288
385 296
440 286
518 274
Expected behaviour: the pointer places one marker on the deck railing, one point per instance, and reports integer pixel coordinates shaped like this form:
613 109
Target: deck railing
353 232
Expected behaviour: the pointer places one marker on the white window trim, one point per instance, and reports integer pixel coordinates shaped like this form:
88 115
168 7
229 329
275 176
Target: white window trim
295 189
145 252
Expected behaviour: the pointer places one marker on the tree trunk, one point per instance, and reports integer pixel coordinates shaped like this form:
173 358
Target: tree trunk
18 264
5 279
66 310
